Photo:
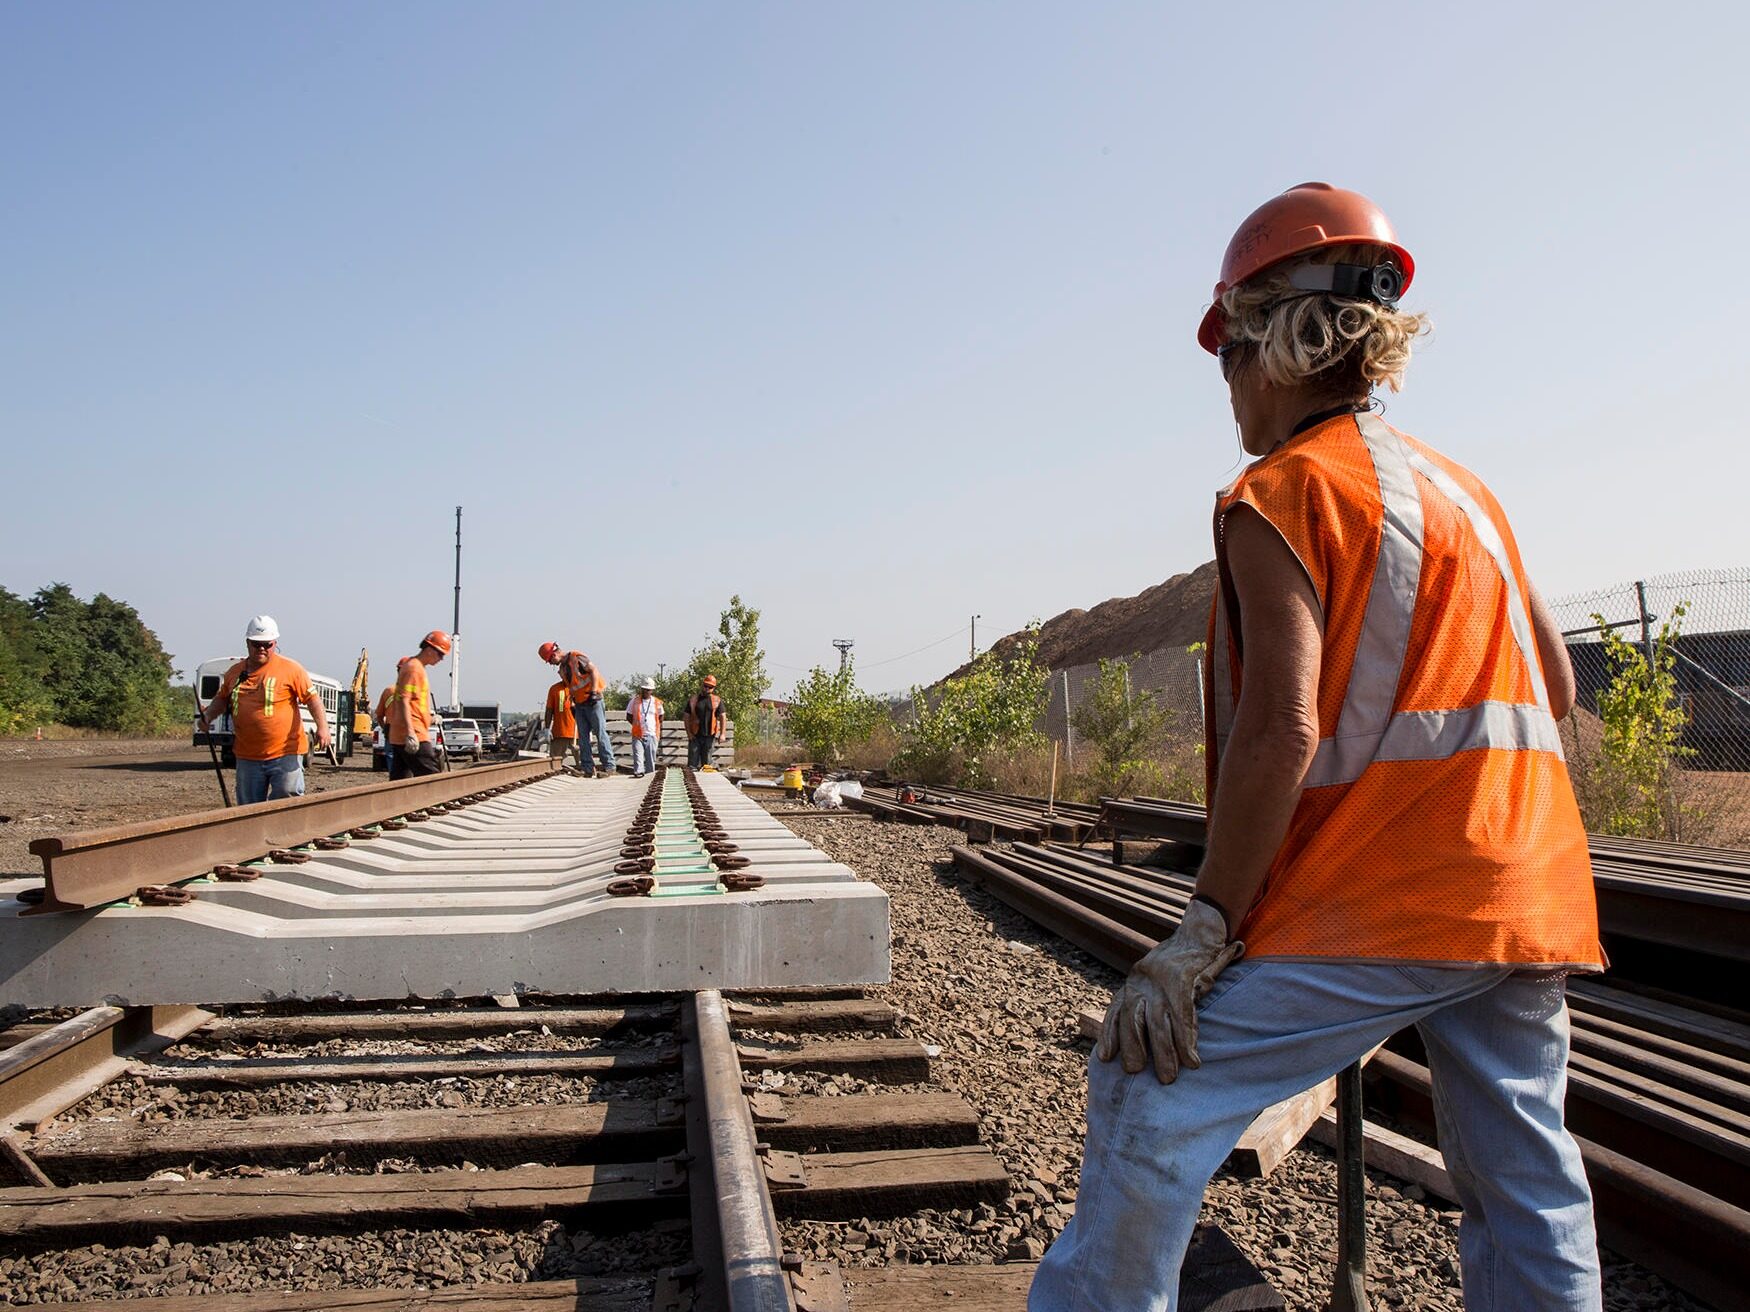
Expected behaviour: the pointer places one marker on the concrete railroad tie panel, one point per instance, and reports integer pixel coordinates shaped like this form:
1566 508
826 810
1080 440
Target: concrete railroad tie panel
507 896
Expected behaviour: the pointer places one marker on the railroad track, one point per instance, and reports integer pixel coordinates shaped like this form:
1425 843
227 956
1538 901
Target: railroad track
318 1116
675 1121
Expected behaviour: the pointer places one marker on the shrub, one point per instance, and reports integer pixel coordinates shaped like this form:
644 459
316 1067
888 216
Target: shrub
994 707
1125 730
829 713
1630 787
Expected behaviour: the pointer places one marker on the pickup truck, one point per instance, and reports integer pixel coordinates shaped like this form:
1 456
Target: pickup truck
462 738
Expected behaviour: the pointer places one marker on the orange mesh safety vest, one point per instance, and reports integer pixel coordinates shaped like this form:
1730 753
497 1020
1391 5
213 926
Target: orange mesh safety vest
581 677
1437 822
413 691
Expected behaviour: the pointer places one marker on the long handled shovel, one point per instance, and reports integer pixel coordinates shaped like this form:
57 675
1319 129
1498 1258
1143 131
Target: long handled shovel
219 770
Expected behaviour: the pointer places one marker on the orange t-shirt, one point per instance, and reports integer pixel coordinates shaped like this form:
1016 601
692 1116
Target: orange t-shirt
559 708
265 720
410 711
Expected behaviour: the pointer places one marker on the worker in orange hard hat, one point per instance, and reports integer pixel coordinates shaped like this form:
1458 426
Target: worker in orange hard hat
587 688
1393 838
704 718
410 713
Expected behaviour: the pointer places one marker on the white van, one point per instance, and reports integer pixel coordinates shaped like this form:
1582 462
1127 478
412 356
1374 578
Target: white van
211 674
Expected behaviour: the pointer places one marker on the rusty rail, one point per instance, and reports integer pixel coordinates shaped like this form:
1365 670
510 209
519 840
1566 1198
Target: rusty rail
88 869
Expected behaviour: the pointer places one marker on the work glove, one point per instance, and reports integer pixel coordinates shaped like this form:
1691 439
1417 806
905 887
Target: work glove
412 744
1155 1010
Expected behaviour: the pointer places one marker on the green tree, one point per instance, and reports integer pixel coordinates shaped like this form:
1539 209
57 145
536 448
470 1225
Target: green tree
829 713
1126 728
1630 790
101 667
24 702
994 707
734 656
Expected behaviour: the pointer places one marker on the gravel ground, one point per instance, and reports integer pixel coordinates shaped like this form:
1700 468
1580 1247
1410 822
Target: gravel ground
999 996
394 1259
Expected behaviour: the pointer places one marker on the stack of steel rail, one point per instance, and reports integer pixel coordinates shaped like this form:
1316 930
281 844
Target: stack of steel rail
1696 899
1658 1091
984 816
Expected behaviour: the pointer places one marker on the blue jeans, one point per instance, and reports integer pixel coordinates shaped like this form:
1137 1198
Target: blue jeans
699 748
1498 1049
593 718
262 781
643 755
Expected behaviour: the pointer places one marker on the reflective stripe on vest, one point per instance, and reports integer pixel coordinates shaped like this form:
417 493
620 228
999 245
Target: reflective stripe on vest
1368 730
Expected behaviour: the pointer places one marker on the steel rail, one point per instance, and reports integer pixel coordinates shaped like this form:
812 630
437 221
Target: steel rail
49 1072
97 866
743 1253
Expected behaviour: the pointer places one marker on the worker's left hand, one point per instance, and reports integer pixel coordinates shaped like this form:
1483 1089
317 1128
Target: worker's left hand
1155 1010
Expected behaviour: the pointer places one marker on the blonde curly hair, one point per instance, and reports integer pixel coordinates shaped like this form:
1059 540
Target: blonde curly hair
1336 344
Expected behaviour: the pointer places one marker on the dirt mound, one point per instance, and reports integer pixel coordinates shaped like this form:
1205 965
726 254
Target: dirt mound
1170 614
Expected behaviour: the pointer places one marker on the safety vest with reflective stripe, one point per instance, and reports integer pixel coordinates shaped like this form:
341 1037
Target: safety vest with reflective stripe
413 698
642 709
582 678
1437 821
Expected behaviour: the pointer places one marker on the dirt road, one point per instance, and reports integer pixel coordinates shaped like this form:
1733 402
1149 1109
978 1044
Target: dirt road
88 783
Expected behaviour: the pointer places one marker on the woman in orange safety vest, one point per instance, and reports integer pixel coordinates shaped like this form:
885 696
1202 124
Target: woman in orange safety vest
1393 839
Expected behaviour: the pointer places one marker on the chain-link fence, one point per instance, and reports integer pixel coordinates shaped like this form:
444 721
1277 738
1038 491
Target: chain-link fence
1707 615
1175 676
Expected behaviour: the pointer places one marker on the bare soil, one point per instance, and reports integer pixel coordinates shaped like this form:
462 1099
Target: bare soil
90 783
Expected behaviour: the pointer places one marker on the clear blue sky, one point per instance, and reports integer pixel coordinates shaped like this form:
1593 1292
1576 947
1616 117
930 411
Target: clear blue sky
879 315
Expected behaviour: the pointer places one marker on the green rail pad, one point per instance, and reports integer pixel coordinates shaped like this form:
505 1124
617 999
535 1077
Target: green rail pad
686 890
691 868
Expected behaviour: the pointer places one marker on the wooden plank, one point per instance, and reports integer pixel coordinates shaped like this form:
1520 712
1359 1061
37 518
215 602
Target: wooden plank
464 1023
889 1061
845 1186
814 1017
560 1133
866 1121
1277 1130
255 1072
1393 1153
614 1294
840 1186
84 1213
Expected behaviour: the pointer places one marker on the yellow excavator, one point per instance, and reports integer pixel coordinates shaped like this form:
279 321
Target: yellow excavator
361 703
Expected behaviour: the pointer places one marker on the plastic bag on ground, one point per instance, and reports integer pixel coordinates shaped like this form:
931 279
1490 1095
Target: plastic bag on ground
827 797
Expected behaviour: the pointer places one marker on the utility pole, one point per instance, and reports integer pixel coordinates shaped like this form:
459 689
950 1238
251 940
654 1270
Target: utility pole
456 627
844 645
972 651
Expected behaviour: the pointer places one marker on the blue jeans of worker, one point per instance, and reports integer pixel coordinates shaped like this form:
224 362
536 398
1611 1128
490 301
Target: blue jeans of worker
1497 1045
643 755
699 749
592 718
262 781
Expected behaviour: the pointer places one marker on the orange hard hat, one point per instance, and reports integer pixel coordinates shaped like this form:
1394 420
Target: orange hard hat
549 652
1304 218
710 681
437 638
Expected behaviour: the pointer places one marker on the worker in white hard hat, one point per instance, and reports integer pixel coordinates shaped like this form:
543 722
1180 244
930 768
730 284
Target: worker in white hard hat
644 717
262 693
